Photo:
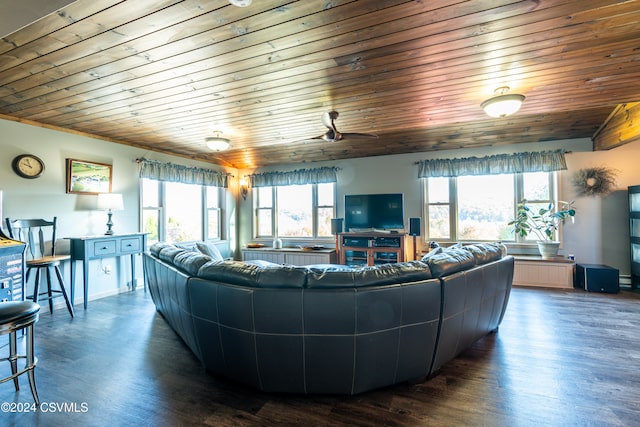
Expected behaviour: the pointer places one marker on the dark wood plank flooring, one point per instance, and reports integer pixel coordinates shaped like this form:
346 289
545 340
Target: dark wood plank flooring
560 358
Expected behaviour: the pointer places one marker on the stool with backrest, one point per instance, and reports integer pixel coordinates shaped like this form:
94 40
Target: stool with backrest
32 232
16 316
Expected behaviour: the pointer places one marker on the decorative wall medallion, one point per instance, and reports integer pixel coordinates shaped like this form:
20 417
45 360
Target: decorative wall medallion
598 181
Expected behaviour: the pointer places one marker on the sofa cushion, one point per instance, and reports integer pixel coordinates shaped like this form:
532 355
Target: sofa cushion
190 262
484 252
385 274
261 263
256 276
210 249
189 246
451 261
431 253
157 247
169 252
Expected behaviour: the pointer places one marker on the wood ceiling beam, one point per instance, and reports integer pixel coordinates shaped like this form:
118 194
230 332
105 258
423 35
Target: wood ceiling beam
621 127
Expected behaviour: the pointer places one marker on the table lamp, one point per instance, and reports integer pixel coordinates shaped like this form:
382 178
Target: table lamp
110 202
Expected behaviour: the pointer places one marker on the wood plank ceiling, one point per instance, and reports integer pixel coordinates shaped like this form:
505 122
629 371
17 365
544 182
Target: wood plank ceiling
165 74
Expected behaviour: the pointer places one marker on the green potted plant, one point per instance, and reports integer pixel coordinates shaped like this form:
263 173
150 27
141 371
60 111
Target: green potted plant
543 223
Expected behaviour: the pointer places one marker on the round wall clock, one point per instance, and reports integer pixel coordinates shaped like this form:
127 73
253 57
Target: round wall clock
28 166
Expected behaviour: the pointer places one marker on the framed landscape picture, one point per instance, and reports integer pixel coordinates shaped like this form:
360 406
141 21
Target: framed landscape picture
85 177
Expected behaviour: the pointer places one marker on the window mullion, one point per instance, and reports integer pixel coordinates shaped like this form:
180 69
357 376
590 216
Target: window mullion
518 195
314 210
205 212
453 208
163 211
274 211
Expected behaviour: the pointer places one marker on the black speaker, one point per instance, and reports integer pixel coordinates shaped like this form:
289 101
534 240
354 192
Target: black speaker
336 225
414 226
597 278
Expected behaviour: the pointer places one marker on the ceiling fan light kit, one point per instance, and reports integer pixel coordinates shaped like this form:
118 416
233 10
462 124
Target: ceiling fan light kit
503 104
217 143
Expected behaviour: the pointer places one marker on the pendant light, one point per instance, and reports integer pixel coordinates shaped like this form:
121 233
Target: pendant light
503 104
217 143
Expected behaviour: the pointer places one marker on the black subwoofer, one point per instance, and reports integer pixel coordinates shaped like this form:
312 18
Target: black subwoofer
597 278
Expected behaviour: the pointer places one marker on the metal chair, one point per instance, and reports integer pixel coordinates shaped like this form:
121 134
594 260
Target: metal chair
15 316
32 231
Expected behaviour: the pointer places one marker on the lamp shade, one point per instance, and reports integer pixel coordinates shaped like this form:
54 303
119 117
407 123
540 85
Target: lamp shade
502 105
110 201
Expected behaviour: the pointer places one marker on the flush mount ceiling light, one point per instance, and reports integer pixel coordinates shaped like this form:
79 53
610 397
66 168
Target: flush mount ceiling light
217 143
503 104
240 3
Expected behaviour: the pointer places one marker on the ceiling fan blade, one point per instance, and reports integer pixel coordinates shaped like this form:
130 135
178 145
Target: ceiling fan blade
359 135
333 134
330 136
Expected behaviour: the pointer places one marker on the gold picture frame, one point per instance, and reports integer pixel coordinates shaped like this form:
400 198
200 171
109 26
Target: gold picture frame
84 177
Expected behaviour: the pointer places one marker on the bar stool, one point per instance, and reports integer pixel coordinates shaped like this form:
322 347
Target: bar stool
41 255
16 316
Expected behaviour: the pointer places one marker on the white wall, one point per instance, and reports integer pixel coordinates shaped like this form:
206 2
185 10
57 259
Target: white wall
599 234
45 197
16 14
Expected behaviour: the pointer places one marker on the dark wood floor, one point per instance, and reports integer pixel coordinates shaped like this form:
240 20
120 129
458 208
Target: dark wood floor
560 358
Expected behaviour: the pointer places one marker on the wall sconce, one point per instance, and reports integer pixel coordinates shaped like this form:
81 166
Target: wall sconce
503 104
244 188
110 202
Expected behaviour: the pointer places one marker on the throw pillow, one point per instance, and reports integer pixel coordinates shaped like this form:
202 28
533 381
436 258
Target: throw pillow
431 253
211 250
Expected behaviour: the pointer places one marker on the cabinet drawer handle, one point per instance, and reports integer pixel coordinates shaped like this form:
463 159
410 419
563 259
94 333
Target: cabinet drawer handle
104 247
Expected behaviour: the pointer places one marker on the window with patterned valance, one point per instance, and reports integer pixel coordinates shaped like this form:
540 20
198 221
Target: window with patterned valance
541 161
171 172
296 177
294 204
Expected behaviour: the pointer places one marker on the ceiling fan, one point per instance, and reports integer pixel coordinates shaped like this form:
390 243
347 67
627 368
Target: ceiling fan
333 135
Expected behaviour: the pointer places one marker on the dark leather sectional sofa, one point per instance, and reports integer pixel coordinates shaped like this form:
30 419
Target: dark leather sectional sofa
329 328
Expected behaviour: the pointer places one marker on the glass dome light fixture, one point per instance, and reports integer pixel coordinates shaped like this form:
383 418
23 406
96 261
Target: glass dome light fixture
503 104
217 143
240 3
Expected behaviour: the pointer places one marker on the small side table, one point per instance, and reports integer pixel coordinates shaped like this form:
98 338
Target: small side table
597 278
87 248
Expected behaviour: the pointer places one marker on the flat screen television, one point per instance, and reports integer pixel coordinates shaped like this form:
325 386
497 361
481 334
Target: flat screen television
373 212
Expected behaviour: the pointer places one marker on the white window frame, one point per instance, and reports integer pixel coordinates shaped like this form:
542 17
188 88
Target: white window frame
162 216
274 212
453 207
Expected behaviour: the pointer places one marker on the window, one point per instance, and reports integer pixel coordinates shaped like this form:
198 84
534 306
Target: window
213 226
176 212
295 211
479 208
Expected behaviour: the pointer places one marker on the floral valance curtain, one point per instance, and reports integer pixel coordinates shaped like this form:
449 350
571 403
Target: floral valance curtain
542 161
296 177
178 173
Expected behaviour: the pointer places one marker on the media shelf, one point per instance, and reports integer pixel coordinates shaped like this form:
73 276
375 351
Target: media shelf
371 248
11 269
634 234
